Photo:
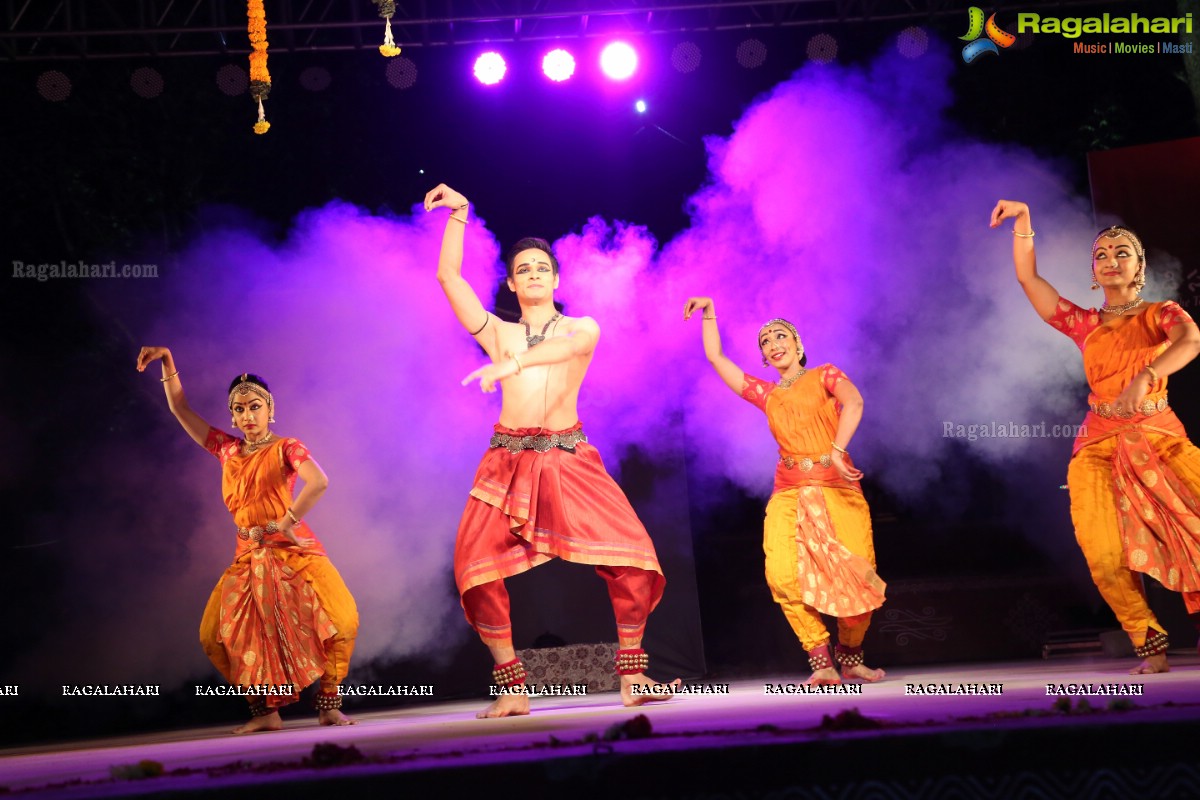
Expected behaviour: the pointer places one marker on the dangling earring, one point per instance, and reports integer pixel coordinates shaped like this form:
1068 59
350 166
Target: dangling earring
1139 280
765 362
271 420
233 422
1092 275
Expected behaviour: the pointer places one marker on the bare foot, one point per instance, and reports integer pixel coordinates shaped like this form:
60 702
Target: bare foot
334 716
824 677
1151 665
269 722
506 705
862 672
647 691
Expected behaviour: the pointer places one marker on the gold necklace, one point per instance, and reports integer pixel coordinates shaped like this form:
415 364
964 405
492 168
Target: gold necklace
1121 309
252 446
786 382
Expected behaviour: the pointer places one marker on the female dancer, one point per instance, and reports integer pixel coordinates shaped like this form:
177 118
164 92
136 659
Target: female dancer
1134 476
817 534
280 617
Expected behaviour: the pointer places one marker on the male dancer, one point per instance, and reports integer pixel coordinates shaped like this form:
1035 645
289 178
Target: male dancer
541 490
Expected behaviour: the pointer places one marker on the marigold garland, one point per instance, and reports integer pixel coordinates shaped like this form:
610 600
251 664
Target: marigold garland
387 8
260 78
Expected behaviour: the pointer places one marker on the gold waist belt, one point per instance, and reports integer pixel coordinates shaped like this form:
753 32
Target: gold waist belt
805 464
1147 408
540 443
256 533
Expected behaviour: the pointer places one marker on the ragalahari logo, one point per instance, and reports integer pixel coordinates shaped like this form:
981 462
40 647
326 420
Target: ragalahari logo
996 38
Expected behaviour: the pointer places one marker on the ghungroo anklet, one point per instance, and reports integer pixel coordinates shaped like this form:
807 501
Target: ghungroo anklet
327 701
848 656
1156 643
632 662
818 658
509 674
259 708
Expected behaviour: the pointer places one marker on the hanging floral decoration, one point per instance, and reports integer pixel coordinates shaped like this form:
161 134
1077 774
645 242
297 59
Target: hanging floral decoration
386 9
260 79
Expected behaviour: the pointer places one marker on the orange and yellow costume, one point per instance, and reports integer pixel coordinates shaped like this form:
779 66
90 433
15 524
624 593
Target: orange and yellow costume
820 557
1134 481
540 495
280 614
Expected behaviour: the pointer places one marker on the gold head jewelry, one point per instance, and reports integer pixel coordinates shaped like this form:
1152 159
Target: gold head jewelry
246 386
791 328
1115 232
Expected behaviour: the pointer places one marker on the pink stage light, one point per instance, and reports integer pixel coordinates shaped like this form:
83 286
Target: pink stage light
618 61
558 65
490 68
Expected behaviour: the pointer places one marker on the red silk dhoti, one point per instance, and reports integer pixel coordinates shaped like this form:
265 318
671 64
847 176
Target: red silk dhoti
528 507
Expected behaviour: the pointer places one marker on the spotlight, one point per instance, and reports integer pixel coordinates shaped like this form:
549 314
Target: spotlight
822 48
490 68
401 72
233 80
913 42
558 65
146 82
315 79
751 54
619 61
54 86
640 105
685 57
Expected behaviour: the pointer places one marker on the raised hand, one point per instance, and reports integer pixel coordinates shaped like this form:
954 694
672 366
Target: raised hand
442 196
148 355
1007 209
695 304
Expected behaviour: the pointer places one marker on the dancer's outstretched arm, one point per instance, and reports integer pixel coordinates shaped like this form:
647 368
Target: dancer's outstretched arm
733 375
1041 294
463 300
193 423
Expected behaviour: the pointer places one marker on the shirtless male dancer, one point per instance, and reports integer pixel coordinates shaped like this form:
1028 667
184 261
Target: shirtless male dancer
541 490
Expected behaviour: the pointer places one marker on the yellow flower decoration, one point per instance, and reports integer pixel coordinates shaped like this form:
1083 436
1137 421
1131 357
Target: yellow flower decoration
262 126
387 8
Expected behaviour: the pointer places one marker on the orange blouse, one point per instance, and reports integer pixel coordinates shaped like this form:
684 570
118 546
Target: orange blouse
803 419
257 487
1113 353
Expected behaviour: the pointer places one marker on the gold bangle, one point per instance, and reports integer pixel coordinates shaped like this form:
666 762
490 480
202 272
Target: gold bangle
1153 373
1023 235
841 450
714 316
456 219
513 356
172 375
293 516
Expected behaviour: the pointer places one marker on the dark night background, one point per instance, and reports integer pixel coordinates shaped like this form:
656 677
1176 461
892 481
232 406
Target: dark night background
106 173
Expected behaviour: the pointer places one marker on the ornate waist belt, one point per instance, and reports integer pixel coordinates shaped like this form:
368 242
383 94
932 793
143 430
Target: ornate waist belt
805 464
256 533
541 443
1147 407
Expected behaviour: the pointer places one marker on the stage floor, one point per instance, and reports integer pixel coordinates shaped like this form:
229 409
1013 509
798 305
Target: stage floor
563 740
